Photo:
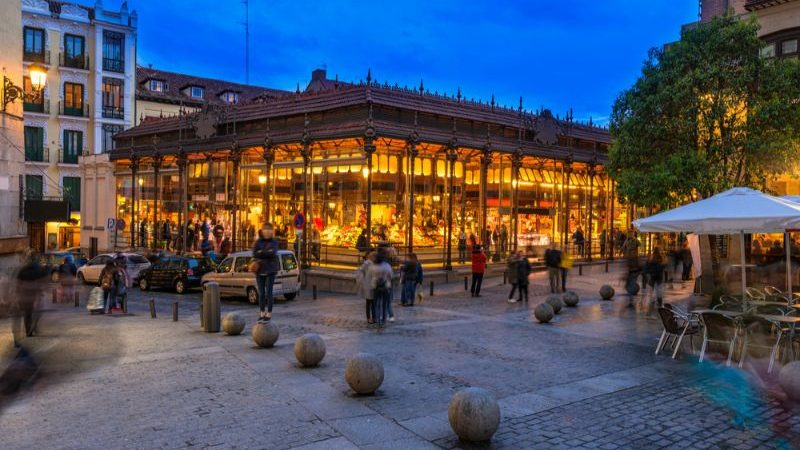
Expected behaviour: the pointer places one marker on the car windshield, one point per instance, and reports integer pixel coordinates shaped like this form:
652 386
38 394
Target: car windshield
137 259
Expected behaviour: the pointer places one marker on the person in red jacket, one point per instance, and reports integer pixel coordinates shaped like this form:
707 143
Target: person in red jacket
478 268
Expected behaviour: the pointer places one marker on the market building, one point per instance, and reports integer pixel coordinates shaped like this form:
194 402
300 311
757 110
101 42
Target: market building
89 56
406 167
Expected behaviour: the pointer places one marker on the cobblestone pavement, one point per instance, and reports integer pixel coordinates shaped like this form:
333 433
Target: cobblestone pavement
587 380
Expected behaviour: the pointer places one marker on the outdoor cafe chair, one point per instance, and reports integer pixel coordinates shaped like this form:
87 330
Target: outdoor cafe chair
730 303
677 324
761 333
772 291
752 293
719 329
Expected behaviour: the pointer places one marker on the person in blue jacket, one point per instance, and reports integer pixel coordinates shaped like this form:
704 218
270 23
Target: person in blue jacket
265 252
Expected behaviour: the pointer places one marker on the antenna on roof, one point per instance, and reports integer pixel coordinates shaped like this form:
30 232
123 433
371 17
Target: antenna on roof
246 41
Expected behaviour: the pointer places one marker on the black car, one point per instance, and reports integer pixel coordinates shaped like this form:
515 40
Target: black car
175 272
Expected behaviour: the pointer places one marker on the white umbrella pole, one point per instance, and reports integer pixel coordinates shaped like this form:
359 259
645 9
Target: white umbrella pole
788 247
744 269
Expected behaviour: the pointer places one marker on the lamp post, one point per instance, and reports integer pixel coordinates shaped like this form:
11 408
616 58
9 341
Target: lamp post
12 92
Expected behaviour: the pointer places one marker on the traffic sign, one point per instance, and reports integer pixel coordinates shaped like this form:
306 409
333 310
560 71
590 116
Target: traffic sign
120 224
299 221
111 224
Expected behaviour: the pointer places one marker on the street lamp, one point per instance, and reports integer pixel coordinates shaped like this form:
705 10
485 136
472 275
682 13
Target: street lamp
12 92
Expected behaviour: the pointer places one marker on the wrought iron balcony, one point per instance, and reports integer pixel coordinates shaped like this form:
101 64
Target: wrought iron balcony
75 62
37 154
113 112
65 157
81 110
42 106
42 57
114 65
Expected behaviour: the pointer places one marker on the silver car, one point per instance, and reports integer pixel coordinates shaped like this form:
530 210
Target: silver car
134 263
235 279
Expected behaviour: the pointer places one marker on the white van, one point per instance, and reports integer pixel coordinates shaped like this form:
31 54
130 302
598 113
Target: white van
235 280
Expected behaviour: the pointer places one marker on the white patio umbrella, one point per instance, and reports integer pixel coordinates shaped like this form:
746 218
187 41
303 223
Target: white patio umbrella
735 211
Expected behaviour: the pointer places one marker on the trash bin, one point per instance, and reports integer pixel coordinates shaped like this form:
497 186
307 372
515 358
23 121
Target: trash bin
211 309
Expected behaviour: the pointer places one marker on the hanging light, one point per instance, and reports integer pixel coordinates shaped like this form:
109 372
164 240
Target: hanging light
262 179
38 75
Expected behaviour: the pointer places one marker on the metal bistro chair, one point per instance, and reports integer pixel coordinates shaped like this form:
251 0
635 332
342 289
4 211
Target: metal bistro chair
719 329
755 294
772 291
730 303
761 333
677 324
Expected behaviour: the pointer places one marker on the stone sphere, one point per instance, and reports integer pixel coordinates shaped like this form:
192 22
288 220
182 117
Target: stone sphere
555 302
606 292
474 414
543 312
364 373
789 379
632 288
265 334
309 349
233 324
570 298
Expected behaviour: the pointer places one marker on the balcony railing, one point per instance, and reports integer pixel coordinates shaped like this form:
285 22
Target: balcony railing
42 107
114 65
75 111
39 155
42 57
113 112
65 157
75 62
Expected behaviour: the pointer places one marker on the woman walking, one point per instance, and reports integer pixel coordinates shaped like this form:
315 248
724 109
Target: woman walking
364 279
265 266
110 282
381 283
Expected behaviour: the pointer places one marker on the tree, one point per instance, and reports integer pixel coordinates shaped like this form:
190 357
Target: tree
707 113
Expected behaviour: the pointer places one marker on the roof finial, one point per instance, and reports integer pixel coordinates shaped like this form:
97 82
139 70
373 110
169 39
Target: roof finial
421 87
297 91
492 102
369 75
520 104
458 96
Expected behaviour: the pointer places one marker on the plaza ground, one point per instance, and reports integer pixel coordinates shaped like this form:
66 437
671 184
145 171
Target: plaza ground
587 380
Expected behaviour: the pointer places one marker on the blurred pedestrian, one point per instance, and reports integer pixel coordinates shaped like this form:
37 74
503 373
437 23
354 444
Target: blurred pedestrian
381 283
364 283
552 260
523 272
686 262
511 271
655 274
411 273
478 269
266 265
578 240
565 266
31 281
462 247
109 283
67 272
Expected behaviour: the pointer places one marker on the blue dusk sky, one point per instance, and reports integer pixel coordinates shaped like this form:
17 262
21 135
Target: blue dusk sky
554 53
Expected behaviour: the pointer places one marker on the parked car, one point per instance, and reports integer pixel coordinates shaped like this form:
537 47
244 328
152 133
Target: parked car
176 272
90 272
235 279
52 260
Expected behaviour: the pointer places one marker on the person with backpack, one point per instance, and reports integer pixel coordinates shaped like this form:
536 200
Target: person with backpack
552 260
109 283
411 273
265 266
380 274
364 283
511 271
478 269
523 272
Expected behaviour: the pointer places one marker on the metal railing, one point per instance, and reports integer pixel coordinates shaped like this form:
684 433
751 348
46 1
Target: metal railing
38 156
113 112
81 111
74 62
114 65
40 57
69 158
42 107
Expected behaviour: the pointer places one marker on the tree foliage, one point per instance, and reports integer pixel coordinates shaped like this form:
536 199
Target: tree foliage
707 113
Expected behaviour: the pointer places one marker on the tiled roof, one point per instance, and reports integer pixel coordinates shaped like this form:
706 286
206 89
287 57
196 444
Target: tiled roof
177 82
752 5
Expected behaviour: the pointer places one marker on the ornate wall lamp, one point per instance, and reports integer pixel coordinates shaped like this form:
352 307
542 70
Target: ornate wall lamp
12 92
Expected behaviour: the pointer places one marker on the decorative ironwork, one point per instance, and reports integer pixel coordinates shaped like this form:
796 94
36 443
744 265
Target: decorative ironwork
205 123
546 128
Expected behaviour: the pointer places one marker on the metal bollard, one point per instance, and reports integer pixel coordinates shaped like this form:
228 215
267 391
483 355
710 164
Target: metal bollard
202 322
211 308
175 311
55 295
466 284
152 308
505 277
606 265
431 288
124 304
76 298
314 292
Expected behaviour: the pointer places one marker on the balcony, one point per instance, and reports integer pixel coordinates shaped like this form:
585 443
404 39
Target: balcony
74 111
73 62
65 157
114 65
42 57
41 107
41 155
113 112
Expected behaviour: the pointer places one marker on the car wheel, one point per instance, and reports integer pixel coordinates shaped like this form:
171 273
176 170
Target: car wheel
81 278
252 295
143 284
290 296
180 286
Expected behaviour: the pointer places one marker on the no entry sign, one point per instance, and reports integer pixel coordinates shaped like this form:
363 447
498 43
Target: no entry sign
299 221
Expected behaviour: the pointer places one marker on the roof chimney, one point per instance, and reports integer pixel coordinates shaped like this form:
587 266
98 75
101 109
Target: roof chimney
318 75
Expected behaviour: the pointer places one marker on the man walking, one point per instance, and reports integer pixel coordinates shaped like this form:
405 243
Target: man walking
552 259
265 252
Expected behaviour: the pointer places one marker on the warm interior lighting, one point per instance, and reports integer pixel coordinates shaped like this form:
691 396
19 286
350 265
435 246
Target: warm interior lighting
262 179
38 77
141 181
365 172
